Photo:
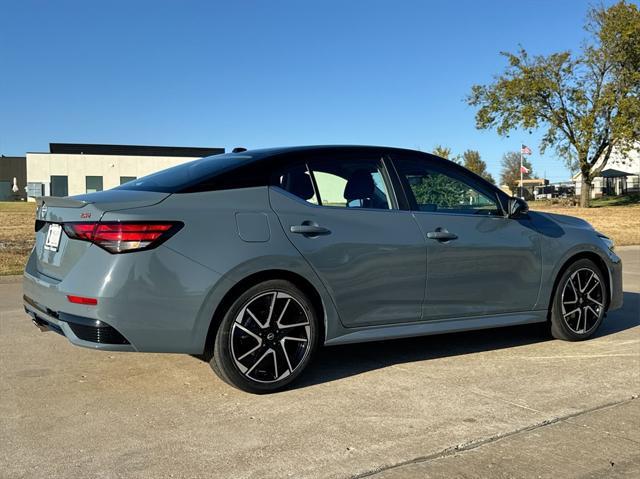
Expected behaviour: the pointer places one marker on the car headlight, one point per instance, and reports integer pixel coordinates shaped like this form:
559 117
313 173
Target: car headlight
608 241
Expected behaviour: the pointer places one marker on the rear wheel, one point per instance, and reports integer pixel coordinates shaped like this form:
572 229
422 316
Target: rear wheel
266 338
580 302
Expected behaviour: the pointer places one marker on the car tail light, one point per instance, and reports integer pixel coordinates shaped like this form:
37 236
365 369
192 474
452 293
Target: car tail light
123 237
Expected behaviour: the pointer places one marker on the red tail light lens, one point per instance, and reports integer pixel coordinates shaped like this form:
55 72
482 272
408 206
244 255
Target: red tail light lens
82 300
123 237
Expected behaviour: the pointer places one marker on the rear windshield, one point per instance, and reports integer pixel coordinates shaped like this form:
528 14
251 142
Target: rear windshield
180 177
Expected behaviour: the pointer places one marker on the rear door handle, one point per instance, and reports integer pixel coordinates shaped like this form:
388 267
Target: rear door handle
309 230
441 235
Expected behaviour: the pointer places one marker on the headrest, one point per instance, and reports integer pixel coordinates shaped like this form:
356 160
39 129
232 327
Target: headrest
299 184
360 186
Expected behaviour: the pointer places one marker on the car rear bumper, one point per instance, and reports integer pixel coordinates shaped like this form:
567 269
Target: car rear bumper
151 301
81 331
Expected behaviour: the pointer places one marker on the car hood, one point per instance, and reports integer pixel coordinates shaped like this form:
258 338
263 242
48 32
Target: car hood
555 225
568 220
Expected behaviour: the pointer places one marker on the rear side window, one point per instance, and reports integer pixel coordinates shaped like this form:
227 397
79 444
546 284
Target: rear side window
349 183
187 175
297 181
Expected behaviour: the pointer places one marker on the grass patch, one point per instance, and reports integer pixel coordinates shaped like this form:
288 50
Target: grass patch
615 201
16 235
620 223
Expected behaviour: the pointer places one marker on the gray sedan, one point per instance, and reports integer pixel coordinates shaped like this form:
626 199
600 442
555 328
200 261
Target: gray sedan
253 259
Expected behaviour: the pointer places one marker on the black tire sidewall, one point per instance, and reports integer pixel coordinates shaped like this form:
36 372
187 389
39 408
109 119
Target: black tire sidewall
559 327
222 361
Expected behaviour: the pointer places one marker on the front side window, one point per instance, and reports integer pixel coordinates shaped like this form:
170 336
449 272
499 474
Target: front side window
435 190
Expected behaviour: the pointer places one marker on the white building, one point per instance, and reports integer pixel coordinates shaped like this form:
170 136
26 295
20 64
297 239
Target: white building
621 175
71 169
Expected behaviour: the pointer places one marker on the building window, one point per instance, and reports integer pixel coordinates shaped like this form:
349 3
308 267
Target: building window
5 190
35 190
59 185
126 179
93 184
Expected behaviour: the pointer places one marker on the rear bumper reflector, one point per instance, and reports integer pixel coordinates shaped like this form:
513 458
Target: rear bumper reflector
82 300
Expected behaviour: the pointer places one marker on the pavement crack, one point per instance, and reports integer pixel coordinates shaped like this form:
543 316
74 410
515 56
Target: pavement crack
506 401
476 443
601 431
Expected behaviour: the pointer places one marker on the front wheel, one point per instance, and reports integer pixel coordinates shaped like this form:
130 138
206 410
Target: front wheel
580 302
266 338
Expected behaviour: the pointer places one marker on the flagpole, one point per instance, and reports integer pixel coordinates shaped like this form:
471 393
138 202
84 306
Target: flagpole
521 185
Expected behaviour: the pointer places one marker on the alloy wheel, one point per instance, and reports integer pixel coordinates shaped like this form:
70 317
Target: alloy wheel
270 337
583 298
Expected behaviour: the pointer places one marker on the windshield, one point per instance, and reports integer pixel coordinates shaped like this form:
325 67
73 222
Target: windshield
187 174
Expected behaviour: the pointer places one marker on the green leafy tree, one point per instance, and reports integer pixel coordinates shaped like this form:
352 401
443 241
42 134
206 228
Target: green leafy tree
440 190
442 151
510 170
472 161
588 103
445 152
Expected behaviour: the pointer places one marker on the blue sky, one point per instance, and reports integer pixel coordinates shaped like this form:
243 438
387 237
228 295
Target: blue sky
267 73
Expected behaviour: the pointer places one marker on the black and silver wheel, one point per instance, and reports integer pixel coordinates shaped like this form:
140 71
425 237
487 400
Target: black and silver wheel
580 302
266 338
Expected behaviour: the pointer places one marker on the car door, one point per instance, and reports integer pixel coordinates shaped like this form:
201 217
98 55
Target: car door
340 212
479 262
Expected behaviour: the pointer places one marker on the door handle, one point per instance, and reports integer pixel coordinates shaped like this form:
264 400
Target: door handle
309 230
441 235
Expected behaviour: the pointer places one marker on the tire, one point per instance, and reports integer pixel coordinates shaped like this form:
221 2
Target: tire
266 338
580 302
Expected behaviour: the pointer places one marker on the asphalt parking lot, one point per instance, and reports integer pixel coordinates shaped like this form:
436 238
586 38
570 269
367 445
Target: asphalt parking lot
502 403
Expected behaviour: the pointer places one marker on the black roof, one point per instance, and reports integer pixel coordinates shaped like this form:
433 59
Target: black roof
269 155
254 168
613 173
132 150
282 150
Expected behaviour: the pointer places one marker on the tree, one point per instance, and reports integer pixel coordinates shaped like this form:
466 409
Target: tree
441 190
445 152
472 161
510 170
588 103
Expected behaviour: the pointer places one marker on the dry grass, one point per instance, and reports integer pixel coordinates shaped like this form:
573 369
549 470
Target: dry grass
621 223
16 235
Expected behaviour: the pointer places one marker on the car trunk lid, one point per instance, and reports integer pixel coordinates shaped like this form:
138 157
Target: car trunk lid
56 253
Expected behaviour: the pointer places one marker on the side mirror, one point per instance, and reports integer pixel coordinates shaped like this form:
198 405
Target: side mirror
517 207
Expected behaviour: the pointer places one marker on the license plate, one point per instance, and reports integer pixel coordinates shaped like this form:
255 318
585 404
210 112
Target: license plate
53 237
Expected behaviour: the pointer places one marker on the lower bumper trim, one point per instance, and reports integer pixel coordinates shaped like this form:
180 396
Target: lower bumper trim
44 325
86 329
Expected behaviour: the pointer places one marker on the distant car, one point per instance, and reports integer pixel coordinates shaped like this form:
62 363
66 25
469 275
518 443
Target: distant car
255 258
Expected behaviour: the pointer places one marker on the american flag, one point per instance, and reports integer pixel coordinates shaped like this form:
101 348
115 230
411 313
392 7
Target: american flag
525 150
